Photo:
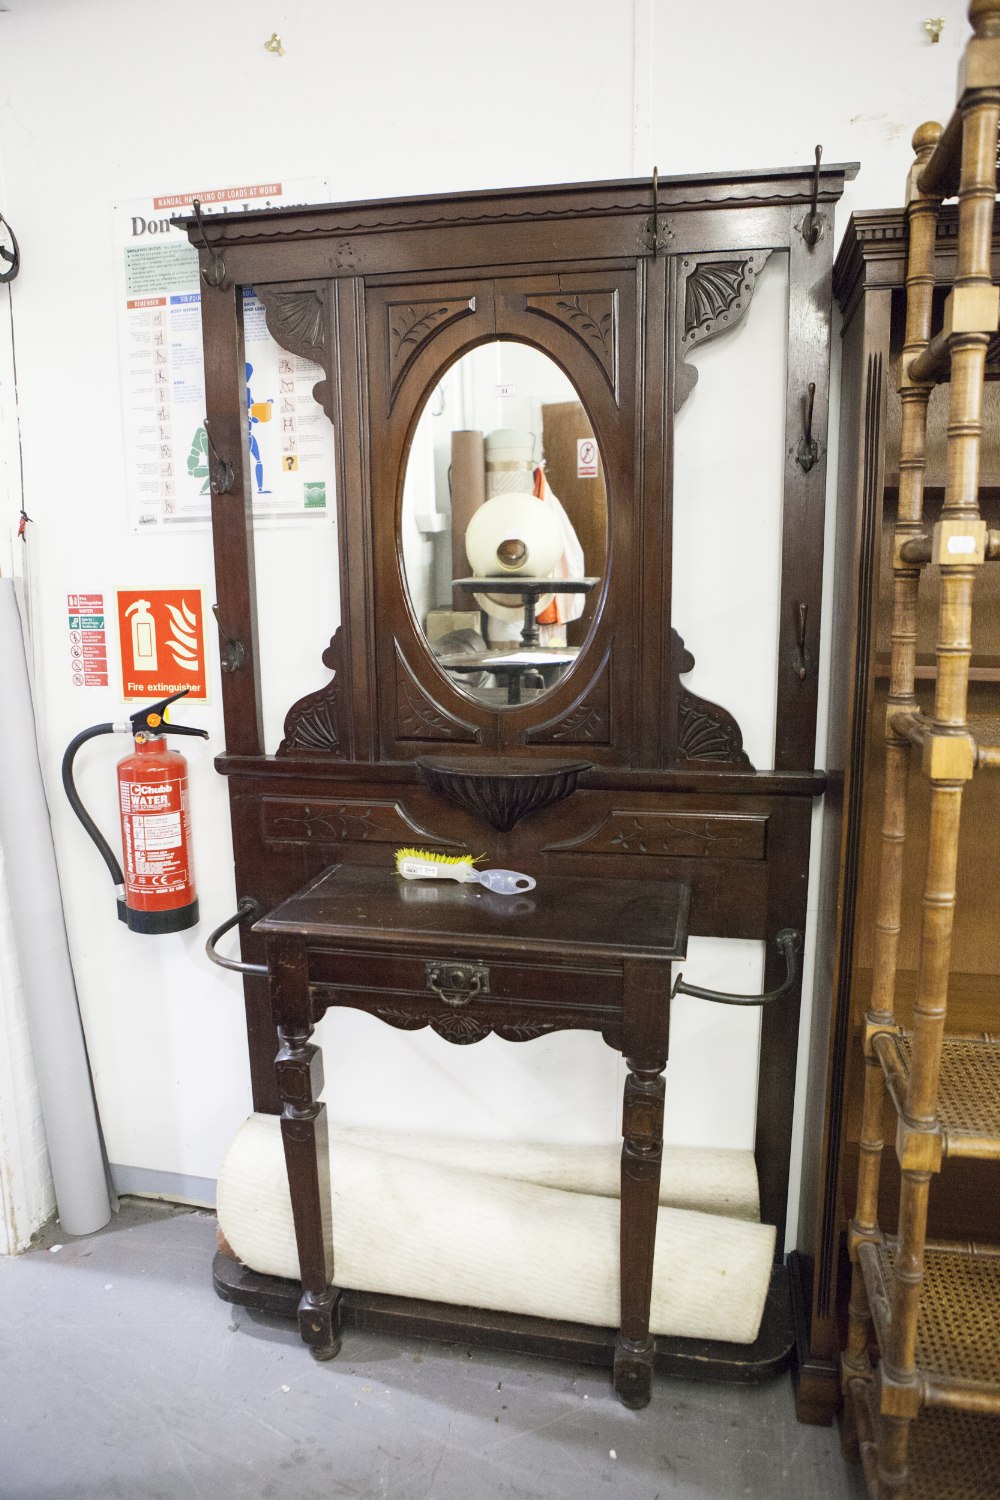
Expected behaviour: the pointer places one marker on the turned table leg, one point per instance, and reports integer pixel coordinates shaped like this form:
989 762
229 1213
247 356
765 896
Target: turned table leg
646 1026
304 1134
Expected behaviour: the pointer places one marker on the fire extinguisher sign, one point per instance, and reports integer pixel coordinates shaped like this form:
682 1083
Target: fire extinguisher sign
162 636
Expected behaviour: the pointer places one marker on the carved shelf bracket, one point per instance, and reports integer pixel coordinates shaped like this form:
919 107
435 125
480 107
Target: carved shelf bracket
296 319
497 792
715 291
705 731
313 724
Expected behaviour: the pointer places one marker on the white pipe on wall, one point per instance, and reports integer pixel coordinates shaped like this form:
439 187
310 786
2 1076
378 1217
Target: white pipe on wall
61 1063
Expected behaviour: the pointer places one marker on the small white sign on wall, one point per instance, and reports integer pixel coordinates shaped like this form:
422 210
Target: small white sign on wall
586 458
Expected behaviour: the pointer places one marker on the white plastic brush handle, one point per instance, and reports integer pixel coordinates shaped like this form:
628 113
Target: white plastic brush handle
504 882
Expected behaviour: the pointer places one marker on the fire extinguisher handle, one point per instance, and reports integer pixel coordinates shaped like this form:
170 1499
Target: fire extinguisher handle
183 729
73 796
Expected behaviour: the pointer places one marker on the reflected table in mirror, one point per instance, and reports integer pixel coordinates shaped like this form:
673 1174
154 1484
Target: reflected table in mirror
515 668
528 590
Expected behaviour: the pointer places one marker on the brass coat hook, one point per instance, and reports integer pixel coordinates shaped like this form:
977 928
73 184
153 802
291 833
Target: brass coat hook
273 44
232 652
658 238
215 273
807 453
221 480
934 25
812 224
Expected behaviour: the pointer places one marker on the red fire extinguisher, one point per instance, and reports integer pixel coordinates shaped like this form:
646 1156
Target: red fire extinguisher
156 891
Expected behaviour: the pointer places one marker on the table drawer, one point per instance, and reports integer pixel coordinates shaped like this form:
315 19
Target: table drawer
349 977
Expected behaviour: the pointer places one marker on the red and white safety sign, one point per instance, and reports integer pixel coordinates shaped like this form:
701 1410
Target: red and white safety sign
162 635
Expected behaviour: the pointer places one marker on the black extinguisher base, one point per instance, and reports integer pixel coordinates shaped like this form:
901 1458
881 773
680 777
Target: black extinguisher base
177 920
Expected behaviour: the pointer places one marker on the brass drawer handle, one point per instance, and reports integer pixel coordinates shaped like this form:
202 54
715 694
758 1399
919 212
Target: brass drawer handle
457 984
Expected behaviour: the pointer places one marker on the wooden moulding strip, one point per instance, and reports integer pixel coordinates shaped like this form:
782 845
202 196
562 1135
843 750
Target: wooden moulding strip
922 215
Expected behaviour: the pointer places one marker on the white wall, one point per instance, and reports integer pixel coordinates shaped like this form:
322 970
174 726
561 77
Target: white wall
104 100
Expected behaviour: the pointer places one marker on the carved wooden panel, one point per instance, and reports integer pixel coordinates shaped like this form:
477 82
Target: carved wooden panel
674 835
290 820
463 1029
419 717
716 290
313 724
587 722
412 324
592 316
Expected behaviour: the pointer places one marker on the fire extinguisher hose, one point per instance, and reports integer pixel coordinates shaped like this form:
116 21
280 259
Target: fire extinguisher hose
104 848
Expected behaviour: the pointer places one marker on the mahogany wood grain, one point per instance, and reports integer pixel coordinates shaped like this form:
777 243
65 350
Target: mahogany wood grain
670 796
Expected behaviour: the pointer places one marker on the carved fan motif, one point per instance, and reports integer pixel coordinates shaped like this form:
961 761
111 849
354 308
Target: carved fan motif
313 723
592 316
705 731
296 319
717 293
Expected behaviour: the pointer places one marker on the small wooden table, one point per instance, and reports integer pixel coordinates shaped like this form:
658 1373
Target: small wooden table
574 953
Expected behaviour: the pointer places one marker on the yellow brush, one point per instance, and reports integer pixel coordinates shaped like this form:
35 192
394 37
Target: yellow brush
422 864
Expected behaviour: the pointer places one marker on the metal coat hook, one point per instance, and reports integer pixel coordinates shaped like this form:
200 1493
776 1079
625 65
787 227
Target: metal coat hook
807 453
789 942
214 274
10 255
802 662
233 652
273 44
934 25
221 480
653 229
248 910
812 224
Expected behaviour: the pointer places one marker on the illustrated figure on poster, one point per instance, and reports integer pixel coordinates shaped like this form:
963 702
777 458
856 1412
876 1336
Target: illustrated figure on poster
197 459
257 411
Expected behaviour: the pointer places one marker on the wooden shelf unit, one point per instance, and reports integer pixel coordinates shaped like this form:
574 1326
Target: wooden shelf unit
922 1414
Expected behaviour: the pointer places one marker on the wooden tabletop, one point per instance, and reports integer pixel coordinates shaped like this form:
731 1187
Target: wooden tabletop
611 919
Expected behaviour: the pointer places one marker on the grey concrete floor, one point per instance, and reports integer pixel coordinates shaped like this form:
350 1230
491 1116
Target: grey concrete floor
123 1377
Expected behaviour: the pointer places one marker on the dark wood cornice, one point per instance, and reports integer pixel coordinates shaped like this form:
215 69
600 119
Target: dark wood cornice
628 196
872 254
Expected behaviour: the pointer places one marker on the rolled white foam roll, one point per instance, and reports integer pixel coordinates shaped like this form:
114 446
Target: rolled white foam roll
413 1229
706 1178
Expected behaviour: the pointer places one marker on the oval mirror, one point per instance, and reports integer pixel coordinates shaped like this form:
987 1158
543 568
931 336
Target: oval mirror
504 523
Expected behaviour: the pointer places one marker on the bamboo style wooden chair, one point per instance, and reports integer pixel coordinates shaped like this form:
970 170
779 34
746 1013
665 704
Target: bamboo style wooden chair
925 1416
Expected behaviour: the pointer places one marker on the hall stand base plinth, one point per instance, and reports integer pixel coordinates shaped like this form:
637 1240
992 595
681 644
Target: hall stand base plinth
580 1343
